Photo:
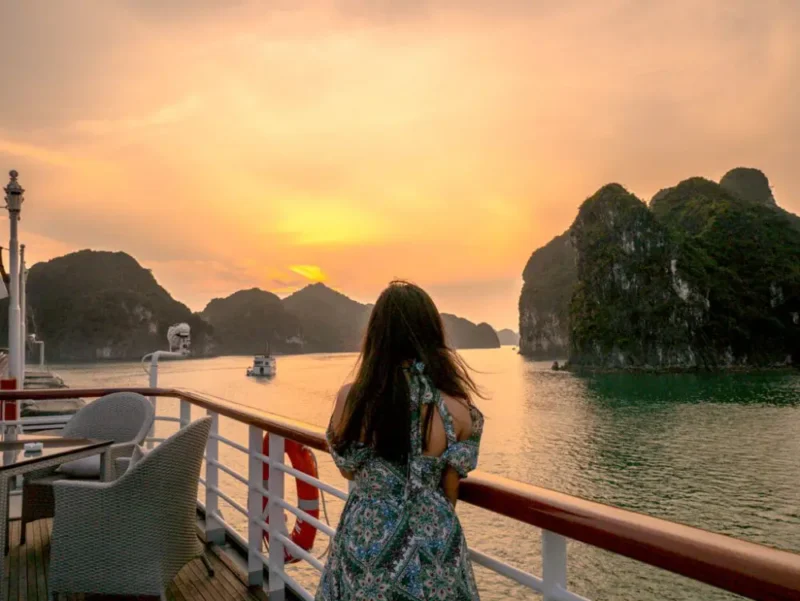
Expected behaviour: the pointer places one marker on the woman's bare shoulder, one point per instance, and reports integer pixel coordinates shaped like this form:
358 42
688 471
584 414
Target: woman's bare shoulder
341 401
343 392
462 416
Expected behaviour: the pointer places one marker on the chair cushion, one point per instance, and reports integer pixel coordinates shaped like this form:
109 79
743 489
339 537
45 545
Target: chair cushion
45 480
124 464
138 454
86 468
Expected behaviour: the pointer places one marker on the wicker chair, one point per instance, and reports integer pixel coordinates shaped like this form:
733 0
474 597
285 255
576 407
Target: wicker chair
123 417
133 535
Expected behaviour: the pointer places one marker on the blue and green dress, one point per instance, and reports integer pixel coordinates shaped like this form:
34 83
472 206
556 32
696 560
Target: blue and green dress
399 538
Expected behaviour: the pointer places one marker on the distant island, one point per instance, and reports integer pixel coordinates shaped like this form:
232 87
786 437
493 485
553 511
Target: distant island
96 305
707 276
91 305
508 337
315 319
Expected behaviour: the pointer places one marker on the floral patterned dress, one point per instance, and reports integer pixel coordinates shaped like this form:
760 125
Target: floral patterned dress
399 538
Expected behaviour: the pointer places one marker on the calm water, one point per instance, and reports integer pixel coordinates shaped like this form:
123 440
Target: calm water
719 452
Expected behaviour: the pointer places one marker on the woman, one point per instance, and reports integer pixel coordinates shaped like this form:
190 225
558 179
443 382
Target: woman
405 431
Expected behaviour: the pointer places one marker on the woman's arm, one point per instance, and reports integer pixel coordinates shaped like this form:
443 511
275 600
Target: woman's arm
450 480
338 417
462 420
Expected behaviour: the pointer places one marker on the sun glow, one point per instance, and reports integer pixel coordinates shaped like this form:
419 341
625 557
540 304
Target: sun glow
330 224
313 273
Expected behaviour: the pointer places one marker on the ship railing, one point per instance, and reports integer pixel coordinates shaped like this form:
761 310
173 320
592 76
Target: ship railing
744 568
33 424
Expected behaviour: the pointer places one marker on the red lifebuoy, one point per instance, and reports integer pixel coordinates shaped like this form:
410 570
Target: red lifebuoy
302 459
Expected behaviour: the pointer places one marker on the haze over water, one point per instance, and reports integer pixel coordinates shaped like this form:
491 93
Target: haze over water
714 451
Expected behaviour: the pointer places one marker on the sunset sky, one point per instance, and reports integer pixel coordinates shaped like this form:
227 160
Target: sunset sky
231 144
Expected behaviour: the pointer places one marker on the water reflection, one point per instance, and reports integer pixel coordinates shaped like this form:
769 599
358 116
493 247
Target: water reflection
777 388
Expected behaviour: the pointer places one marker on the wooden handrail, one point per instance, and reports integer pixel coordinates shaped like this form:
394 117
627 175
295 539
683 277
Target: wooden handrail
312 436
744 568
741 567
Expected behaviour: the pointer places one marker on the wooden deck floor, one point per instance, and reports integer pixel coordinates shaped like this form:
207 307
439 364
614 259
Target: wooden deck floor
26 574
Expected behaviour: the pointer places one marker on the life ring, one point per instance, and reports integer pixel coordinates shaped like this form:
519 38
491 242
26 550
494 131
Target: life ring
302 459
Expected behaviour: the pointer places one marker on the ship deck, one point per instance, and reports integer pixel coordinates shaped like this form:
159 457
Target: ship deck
26 574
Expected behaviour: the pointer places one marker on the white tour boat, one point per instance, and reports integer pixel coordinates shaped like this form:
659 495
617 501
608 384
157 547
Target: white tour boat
264 366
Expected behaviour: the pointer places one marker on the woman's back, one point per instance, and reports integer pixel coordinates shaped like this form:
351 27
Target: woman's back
441 427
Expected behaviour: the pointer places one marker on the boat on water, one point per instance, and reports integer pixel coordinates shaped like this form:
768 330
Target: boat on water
264 366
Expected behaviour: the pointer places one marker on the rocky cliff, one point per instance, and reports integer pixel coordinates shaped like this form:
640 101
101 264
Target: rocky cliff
550 278
632 304
741 251
93 305
707 276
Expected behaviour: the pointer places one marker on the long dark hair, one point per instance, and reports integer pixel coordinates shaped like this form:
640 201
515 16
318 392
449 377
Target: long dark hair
404 326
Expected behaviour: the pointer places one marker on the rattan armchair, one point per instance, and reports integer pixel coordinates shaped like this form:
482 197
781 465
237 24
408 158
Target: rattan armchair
123 417
130 536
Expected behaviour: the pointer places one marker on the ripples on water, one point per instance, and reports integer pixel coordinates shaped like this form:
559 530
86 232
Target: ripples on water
719 452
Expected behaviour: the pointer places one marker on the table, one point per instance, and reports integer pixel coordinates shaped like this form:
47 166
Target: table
56 451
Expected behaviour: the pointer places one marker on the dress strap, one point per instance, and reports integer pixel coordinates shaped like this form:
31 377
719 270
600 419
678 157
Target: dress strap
421 392
447 419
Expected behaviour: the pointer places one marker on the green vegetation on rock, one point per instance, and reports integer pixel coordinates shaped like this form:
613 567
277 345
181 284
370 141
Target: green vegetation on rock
550 277
630 306
748 184
708 276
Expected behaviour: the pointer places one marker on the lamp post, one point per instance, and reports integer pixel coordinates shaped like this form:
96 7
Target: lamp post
14 200
23 324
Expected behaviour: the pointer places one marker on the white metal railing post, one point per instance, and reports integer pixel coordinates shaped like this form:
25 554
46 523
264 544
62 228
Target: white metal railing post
186 413
215 532
153 384
182 353
276 523
255 567
554 565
